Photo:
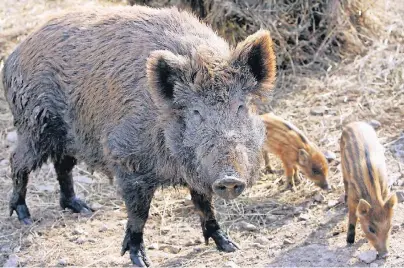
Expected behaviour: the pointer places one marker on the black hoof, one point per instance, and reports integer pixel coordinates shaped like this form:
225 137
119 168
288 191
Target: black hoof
137 252
76 205
22 213
222 241
350 239
289 187
268 170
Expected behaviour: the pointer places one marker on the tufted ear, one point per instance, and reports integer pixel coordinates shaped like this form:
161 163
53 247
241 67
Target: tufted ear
164 70
257 54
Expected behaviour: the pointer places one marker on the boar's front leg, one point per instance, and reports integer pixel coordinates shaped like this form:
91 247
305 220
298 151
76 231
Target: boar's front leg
137 191
210 227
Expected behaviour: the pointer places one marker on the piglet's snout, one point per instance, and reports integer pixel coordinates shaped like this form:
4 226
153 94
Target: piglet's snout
229 187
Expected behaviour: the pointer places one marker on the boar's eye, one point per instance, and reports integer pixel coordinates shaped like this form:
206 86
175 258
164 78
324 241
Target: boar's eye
240 109
197 114
316 171
372 230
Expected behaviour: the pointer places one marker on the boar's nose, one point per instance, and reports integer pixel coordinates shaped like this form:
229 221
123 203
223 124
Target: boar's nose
229 187
326 187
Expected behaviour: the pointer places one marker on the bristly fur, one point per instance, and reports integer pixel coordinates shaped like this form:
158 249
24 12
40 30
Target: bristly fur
365 180
289 143
150 96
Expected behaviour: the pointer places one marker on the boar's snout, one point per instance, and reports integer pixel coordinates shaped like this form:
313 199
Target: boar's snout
326 187
229 187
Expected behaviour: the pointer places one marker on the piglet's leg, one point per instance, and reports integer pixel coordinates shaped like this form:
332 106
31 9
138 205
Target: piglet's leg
352 219
289 173
137 191
210 227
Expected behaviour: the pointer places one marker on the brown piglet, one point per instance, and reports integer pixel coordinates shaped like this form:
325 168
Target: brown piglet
296 152
365 181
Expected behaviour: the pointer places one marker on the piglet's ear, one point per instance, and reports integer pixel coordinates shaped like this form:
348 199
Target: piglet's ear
303 157
164 70
363 208
257 54
391 202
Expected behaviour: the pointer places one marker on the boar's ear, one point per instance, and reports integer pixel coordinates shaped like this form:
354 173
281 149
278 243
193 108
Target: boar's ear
164 69
256 52
303 157
363 208
391 202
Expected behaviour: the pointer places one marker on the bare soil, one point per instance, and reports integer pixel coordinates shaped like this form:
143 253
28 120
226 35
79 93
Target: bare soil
302 228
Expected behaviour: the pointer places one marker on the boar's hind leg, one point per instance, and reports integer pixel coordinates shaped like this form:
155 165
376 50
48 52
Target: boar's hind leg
68 199
210 226
137 191
22 161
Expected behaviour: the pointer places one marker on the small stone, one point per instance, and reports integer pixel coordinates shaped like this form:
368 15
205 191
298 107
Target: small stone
164 231
103 228
399 183
319 110
78 231
188 200
81 240
245 226
319 197
330 155
304 217
17 249
375 124
230 264
332 203
12 137
288 242
91 240
258 245
83 179
395 228
12 261
154 246
4 162
262 240
332 112
198 241
189 243
400 196
341 199
29 240
62 262
96 206
170 249
368 256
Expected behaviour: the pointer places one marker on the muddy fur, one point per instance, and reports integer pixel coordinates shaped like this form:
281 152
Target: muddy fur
150 96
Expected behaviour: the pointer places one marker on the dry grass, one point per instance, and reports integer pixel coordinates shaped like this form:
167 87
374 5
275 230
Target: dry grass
362 87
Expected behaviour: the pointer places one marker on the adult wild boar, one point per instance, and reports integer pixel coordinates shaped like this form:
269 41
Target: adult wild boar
150 96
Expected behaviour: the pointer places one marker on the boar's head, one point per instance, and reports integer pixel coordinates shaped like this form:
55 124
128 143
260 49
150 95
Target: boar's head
205 103
376 222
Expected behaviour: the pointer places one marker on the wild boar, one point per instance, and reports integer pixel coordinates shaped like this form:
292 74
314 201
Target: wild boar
152 97
296 152
365 180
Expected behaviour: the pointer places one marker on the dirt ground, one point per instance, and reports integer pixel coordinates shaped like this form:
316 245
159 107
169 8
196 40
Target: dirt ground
302 228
